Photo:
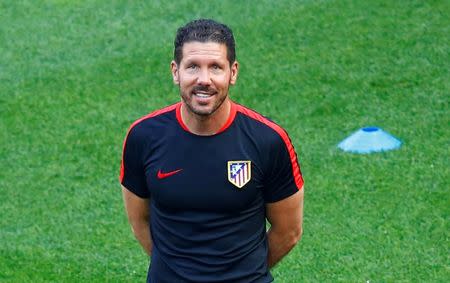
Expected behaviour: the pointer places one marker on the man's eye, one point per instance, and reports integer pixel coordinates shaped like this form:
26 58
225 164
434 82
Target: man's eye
216 67
192 66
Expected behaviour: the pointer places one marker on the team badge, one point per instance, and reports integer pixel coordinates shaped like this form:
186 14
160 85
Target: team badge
239 172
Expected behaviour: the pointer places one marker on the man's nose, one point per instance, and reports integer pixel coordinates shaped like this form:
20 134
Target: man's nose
204 78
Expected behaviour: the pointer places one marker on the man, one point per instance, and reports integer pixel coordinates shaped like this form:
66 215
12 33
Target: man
201 177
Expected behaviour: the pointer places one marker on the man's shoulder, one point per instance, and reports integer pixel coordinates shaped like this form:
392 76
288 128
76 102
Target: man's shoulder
153 118
261 123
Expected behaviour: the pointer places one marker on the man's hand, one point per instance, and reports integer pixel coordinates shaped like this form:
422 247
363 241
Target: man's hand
286 219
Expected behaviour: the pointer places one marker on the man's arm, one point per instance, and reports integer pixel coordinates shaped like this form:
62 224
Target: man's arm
138 213
286 219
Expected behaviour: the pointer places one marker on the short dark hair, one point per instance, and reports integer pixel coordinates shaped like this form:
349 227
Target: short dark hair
204 30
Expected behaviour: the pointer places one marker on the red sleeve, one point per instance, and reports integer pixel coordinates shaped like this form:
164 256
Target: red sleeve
284 177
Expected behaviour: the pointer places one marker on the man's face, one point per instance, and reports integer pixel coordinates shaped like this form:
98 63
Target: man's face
204 76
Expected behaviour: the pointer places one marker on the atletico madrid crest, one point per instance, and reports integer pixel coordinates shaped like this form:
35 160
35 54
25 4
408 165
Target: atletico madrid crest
239 172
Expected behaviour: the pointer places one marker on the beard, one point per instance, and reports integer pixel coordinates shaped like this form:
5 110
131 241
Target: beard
199 109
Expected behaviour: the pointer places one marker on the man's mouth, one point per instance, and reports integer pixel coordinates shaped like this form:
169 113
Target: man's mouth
203 94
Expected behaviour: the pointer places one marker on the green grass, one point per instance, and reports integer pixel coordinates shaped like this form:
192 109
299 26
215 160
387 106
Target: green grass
75 74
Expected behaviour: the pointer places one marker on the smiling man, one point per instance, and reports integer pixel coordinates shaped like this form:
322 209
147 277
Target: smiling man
201 177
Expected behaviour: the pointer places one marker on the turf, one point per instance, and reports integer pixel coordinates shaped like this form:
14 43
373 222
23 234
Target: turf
75 74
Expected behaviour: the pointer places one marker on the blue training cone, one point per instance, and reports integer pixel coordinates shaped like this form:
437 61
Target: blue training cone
368 140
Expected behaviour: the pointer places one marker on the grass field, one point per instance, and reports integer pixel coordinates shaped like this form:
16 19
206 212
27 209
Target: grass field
75 74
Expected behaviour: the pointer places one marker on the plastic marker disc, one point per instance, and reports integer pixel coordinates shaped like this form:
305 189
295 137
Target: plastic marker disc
368 140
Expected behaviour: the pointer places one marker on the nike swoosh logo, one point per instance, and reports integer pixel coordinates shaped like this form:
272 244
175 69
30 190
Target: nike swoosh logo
162 175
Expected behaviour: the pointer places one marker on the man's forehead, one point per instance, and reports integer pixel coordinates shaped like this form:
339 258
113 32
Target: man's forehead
208 49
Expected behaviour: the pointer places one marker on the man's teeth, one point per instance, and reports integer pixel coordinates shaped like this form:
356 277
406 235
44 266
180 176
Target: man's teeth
203 95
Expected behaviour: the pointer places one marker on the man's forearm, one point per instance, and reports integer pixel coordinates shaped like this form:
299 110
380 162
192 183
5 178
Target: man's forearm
141 231
286 218
280 244
138 213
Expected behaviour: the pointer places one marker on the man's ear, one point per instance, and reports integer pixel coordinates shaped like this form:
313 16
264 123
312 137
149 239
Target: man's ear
174 70
234 72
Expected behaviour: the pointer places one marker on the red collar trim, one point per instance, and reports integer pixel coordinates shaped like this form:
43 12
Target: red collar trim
230 118
222 129
180 120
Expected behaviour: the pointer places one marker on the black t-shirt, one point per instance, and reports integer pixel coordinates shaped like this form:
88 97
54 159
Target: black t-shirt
208 193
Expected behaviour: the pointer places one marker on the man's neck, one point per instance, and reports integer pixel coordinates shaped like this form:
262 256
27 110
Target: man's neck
209 124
